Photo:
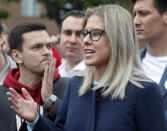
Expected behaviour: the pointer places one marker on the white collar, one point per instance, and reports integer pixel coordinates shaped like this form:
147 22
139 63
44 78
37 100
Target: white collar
62 69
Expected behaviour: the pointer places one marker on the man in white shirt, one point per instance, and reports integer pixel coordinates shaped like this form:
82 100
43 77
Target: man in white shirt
150 19
70 43
62 69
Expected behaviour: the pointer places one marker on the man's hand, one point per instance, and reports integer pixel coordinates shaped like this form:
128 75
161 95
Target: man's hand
25 108
47 83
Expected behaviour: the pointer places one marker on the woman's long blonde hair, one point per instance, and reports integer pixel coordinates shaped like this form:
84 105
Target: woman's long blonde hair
124 63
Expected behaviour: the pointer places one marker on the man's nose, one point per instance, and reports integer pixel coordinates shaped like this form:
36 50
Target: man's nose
46 50
137 20
74 38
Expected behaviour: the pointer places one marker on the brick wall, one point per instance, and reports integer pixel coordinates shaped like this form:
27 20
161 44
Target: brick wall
16 18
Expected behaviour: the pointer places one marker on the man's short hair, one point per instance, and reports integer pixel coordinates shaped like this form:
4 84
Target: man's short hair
74 13
160 5
15 37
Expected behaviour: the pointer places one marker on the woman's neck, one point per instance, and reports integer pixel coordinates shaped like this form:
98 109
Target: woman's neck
98 73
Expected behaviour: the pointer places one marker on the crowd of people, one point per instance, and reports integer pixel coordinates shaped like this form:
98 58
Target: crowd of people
104 82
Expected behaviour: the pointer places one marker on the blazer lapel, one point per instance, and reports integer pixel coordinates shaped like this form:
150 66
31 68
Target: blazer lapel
163 82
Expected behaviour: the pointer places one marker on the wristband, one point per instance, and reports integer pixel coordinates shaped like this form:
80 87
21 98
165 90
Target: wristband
51 101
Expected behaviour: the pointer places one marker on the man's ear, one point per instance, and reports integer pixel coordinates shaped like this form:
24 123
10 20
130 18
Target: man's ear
17 57
165 17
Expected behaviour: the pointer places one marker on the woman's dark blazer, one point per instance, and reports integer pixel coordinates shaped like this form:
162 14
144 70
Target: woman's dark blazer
142 109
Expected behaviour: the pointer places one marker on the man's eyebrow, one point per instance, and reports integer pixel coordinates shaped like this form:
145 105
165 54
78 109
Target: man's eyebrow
140 10
41 43
67 30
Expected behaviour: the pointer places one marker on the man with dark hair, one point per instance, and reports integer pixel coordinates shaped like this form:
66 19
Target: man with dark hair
150 19
70 43
30 47
6 62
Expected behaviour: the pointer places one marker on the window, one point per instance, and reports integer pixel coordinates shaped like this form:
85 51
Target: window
30 8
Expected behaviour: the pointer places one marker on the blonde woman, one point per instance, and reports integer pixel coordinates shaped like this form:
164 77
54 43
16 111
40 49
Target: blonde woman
112 93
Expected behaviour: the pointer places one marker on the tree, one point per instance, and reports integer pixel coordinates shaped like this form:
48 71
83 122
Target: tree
56 9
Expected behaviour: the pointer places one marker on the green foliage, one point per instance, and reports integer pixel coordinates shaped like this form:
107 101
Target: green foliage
55 8
43 15
4 14
125 3
11 1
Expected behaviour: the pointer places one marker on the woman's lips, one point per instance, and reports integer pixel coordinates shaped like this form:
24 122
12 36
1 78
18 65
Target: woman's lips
88 52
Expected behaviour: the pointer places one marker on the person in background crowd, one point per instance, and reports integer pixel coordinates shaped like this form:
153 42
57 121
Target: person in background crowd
6 63
112 93
150 19
5 47
70 43
55 52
